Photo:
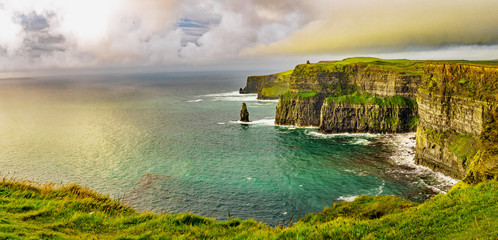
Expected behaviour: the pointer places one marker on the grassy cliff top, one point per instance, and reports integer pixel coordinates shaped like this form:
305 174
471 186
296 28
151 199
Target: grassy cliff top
73 212
399 65
369 99
284 74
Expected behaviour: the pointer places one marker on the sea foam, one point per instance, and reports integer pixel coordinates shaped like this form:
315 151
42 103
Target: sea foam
404 154
237 97
334 135
347 198
262 122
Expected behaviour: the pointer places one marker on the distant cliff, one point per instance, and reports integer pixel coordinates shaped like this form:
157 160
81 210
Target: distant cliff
268 86
451 104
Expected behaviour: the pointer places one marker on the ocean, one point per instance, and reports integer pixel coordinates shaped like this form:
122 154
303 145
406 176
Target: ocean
172 142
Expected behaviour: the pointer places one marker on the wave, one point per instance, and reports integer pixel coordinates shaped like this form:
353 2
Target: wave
235 96
347 198
293 127
359 141
381 188
195 100
361 138
404 154
232 97
262 122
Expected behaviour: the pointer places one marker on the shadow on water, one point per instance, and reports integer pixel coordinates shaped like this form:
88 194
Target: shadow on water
244 127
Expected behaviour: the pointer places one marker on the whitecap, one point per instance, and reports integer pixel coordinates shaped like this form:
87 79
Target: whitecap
233 97
293 127
381 188
227 94
404 154
359 136
265 103
359 141
195 100
261 122
347 198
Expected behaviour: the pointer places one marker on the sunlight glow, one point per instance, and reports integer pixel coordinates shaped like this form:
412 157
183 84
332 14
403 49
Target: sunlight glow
88 21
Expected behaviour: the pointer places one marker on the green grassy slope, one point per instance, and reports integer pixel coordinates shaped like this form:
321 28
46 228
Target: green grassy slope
399 65
277 88
74 212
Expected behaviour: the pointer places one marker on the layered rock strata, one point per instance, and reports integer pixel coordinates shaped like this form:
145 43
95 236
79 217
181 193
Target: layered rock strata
313 83
457 108
374 118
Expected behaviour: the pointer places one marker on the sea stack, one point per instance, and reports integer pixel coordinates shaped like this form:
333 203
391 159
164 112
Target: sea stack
244 114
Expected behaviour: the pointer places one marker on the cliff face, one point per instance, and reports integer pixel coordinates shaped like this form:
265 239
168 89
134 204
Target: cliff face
455 113
334 79
299 110
382 82
309 85
378 118
457 106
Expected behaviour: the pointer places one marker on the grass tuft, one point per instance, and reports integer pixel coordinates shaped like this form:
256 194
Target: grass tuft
74 212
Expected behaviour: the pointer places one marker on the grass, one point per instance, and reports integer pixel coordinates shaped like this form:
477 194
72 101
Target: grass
275 89
464 146
279 87
291 95
28 211
307 94
369 99
405 66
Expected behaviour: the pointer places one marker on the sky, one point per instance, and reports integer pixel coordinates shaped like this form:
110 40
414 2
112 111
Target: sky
167 35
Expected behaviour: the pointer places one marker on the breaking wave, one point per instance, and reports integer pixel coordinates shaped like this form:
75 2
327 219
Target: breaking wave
264 122
404 154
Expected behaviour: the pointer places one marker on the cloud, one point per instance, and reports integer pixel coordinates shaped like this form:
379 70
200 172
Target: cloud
121 33
380 26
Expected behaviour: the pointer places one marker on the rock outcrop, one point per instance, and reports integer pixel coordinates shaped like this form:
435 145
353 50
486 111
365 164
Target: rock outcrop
244 114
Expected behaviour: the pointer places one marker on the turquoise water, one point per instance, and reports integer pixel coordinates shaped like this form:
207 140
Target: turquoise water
172 142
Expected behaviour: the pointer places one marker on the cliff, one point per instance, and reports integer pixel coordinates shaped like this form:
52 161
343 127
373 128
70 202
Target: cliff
350 79
457 133
451 104
299 109
364 113
268 86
